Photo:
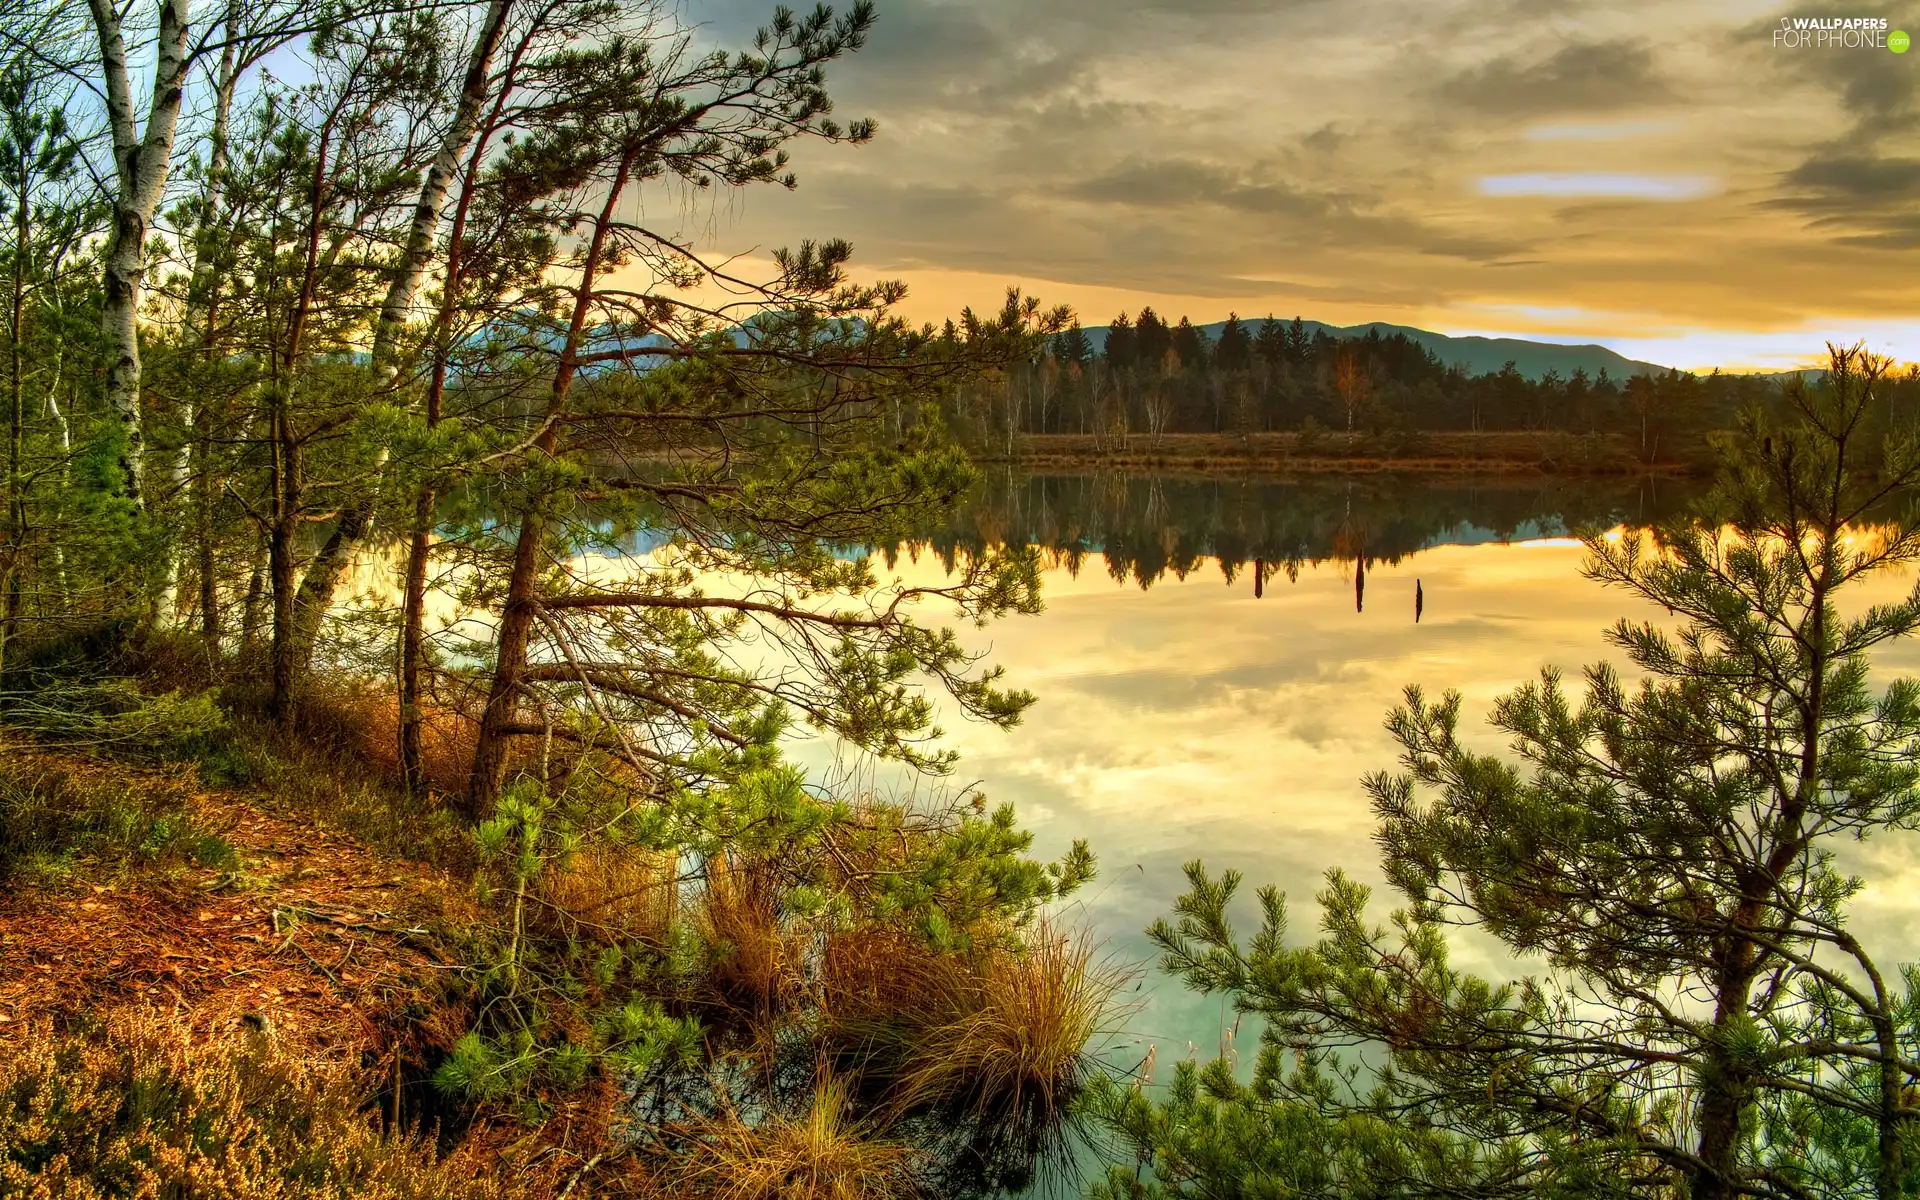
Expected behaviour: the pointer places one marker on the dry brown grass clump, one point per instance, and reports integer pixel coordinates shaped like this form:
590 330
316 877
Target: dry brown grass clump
137 1110
759 959
611 895
1004 1032
1016 1033
821 1154
360 722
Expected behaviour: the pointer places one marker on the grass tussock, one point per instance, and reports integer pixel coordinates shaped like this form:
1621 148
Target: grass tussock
822 1153
136 1109
53 820
611 895
758 959
1004 1033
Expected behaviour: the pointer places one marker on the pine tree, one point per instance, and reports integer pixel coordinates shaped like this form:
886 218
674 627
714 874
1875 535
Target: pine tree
1191 345
39 156
1235 350
1299 342
1271 343
1072 346
1120 351
1151 340
1707 1022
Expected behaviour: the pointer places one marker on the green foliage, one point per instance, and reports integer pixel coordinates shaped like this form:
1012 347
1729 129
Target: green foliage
1165 377
553 1014
51 822
116 714
1707 1023
474 344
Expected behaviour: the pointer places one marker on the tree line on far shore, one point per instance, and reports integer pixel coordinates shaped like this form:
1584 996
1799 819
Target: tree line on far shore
1154 377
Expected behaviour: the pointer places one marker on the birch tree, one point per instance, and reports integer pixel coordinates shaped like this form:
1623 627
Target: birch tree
356 519
142 156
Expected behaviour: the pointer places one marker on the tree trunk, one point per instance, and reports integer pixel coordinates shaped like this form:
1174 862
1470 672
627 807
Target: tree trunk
433 190
356 520
141 163
16 418
1725 1090
518 610
250 606
510 666
209 582
282 538
288 486
197 316
413 638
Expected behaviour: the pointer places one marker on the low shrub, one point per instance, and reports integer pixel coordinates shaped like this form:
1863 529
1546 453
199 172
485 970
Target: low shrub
822 1153
114 714
1004 1033
52 819
135 1108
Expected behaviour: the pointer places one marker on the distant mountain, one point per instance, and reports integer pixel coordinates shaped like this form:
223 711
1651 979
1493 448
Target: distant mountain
1477 355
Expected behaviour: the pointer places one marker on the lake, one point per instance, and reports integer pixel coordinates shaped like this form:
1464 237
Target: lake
1213 667
1184 712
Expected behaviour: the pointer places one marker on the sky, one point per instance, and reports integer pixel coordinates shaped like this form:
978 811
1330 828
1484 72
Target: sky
1663 178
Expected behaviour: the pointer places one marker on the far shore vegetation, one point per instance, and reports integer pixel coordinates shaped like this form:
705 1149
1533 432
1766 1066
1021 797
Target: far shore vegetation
1317 451
1273 396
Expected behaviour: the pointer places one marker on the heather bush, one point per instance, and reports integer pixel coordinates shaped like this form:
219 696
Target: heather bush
136 1109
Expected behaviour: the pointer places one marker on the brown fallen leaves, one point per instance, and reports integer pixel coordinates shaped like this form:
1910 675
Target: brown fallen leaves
315 937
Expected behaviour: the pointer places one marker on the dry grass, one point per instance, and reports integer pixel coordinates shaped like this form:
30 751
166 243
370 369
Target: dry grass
55 817
612 895
1016 1036
293 777
759 960
822 1154
137 1109
869 974
359 722
1002 1032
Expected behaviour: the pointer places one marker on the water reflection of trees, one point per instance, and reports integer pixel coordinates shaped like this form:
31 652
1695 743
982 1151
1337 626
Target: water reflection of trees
1149 527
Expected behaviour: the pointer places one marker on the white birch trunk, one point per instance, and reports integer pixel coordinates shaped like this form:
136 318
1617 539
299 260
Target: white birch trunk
140 164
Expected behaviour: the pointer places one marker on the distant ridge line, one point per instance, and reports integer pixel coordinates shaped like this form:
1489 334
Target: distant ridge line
1477 355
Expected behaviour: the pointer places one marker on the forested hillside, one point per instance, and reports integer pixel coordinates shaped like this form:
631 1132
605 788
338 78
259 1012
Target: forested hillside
1152 378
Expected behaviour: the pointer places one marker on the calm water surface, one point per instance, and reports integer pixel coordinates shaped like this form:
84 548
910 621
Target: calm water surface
1214 665
1181 715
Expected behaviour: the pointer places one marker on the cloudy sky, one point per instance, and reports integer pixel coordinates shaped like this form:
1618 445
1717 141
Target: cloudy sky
1657 176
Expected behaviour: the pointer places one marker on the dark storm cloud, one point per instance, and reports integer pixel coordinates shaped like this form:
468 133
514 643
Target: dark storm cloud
1579 77
1859 179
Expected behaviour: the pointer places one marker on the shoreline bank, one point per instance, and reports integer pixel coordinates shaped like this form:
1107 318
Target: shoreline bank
1289 454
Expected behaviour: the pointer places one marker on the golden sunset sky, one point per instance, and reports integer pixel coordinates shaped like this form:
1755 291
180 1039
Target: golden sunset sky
1658 177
